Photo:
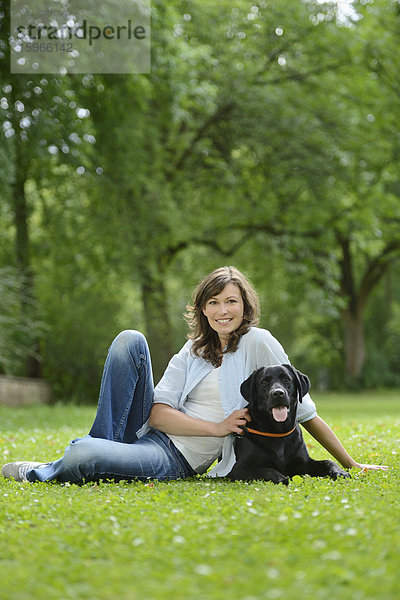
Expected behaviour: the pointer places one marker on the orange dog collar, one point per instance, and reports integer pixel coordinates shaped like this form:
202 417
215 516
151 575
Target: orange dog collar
273 435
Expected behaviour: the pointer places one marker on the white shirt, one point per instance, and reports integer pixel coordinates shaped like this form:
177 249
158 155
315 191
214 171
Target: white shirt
204 403
257 348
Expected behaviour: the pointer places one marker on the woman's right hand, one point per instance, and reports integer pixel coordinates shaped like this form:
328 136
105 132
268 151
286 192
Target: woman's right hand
233 423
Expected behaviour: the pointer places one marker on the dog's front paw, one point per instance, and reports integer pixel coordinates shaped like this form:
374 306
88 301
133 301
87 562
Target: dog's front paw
337 472
283 479
276 477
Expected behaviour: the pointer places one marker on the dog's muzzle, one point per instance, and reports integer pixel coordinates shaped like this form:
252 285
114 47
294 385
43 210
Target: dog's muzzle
281 409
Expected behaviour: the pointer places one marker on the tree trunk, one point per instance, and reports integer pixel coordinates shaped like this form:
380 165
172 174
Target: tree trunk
353 314
158 325
357 298
32 364
354 342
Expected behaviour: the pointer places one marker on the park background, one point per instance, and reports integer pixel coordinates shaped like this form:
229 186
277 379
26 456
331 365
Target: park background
266 136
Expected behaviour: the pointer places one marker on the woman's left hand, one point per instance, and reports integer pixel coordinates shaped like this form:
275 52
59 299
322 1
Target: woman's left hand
365 467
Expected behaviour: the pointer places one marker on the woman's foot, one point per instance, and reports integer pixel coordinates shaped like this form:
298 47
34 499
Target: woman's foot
18 470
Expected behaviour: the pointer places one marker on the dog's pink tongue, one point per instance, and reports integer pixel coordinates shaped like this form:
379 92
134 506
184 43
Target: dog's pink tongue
280 413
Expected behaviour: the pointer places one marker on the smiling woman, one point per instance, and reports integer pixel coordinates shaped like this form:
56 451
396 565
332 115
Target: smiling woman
183 425
225 307
224 312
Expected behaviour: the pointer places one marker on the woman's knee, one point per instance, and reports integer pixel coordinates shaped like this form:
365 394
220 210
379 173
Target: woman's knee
81 451
129 341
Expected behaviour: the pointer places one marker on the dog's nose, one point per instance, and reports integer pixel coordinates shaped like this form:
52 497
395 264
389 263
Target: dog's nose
276 394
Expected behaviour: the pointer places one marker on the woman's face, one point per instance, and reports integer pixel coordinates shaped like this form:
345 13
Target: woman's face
224 312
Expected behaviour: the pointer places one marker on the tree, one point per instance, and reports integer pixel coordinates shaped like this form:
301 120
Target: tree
40 119
331 202
249 141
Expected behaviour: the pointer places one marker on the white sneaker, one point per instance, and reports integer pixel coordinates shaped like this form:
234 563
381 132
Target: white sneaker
18 470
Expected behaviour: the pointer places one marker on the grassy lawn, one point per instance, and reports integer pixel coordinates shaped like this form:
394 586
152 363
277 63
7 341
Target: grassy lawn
201 538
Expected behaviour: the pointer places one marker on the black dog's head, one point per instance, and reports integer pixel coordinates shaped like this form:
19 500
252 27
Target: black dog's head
273 393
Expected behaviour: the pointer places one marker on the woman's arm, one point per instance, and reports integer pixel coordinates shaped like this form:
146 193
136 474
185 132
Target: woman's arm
170 420
325 436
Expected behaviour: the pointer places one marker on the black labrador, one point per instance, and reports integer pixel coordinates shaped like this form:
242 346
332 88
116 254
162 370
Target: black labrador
272 446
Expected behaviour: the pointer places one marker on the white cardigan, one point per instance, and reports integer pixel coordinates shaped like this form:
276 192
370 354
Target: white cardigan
257 348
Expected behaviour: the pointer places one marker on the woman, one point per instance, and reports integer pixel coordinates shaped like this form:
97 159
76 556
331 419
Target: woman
183 425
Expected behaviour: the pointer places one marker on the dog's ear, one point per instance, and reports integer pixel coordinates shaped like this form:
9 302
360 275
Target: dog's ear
248 387
302 381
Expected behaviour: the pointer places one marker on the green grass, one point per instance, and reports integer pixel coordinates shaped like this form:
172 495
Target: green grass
201 538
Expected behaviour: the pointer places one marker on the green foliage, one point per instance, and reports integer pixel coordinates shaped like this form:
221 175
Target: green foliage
201 538
85 296
16 330
250 143
383 332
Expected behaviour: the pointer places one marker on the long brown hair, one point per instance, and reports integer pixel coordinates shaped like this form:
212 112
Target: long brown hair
206 342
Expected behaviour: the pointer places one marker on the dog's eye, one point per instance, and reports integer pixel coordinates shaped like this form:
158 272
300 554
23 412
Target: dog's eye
264 381
286 379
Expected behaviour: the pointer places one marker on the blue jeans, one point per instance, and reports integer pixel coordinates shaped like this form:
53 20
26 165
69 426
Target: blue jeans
120 444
